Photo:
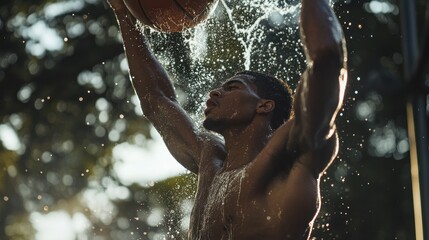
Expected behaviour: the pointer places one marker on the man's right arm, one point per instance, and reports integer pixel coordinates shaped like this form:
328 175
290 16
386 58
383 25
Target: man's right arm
156 93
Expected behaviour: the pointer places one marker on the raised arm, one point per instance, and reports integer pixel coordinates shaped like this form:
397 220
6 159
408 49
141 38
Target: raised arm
156 93
320 92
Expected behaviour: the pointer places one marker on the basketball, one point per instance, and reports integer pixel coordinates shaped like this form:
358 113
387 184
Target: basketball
170 15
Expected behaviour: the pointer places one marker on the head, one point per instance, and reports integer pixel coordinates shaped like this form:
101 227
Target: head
269 87
264 87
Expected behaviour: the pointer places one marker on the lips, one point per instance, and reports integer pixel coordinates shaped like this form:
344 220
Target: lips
209 105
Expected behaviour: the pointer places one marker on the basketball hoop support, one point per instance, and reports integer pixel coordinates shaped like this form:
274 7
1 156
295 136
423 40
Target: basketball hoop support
417 119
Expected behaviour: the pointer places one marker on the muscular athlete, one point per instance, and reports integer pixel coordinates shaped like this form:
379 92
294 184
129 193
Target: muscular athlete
261 180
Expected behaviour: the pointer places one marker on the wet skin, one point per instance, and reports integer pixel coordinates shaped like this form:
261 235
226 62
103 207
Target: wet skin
252 199
253 182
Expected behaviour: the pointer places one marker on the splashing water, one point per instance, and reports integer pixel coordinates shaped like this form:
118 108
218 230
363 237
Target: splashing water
248 28
250 32
261 35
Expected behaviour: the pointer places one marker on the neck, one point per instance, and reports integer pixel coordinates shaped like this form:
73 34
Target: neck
244 144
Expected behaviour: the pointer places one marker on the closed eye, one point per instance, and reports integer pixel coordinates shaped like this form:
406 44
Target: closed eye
231 87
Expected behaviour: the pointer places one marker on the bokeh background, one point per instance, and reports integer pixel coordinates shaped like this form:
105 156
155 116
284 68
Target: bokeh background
79 161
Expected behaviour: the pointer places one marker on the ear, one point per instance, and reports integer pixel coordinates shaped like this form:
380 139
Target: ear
265 106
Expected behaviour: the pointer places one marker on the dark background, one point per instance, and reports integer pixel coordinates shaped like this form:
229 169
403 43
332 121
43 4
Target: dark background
49 95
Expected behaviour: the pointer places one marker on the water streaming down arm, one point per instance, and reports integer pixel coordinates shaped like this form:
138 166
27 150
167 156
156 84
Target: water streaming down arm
320 93
157 96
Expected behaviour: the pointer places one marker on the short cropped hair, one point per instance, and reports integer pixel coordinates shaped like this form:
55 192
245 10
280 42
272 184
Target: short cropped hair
269 87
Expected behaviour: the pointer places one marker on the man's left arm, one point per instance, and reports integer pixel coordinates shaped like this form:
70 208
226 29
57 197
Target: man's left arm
320 93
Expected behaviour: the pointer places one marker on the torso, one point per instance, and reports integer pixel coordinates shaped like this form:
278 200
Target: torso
232 205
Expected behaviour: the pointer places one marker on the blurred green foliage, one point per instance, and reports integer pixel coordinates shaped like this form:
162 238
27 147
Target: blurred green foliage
66 96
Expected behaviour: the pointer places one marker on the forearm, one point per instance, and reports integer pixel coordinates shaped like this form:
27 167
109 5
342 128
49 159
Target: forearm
156 93
321 32
321 90
149 78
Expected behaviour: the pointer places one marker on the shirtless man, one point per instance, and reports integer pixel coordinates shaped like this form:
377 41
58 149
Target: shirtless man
261 180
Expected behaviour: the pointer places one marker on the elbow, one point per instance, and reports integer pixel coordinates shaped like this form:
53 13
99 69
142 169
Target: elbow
154 104
332 57
150 103
315 139
332 53
147 106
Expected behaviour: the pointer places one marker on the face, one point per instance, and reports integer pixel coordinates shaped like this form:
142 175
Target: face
232 104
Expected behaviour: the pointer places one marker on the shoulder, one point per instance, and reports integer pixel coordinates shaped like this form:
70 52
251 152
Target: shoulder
194 155
211 141
212 153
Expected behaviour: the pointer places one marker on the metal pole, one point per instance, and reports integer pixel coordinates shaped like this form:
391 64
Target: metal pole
417 125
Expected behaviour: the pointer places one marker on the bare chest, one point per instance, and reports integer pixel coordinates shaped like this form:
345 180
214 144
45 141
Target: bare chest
217 204
229 208
253 203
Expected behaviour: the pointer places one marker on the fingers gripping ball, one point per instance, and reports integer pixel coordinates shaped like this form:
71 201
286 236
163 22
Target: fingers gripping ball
170 15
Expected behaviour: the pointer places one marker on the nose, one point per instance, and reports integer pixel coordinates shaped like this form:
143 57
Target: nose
215 93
